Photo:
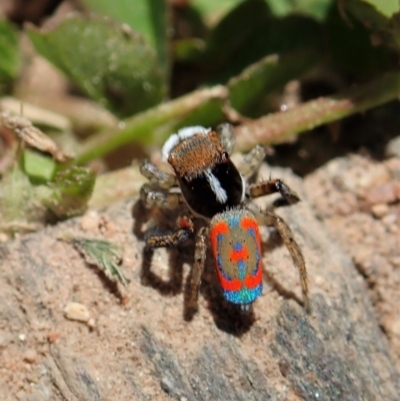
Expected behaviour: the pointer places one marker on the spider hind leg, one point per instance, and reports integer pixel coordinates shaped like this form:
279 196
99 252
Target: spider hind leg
269 218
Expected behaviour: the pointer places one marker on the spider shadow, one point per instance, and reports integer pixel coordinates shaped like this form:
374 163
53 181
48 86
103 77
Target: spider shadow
227 317
173 284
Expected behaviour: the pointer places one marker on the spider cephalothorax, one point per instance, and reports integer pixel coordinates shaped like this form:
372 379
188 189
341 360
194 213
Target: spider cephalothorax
209 181
215 190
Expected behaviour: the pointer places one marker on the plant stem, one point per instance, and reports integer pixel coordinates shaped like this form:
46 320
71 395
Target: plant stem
278 127
142 126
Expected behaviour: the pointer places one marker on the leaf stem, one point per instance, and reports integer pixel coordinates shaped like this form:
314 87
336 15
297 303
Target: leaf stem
278 127
142 126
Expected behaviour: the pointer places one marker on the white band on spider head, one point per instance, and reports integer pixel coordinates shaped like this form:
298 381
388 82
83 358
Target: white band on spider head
180 136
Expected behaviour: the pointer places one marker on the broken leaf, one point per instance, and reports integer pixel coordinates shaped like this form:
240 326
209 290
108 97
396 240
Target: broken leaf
32 136
70 191
103 254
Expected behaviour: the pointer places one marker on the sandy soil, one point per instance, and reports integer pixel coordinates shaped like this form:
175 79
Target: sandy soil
134 342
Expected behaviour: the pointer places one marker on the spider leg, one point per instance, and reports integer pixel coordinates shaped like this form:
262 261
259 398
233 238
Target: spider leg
158 178
198 266
269 218
184 230
289 197
227 137
252 161
151 196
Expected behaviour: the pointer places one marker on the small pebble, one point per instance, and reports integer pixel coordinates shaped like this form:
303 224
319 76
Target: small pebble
90 221
91 323
30 355
384 193
393 165
77 311
4 341
53 336
390 219
380 210
4 237
167 385
393 147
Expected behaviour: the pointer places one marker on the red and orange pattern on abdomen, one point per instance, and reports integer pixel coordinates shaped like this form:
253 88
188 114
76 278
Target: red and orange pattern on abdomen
236 247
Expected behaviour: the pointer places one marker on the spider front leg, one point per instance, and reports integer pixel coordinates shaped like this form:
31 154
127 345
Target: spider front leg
252 161
184 230
158 191
269 218
288 196
227 137
151 196
157 177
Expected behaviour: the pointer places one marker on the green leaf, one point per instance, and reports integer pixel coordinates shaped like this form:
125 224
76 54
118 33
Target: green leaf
229 47
317 9
103 254
212 8
9 50
149 18
385 7
380 16
268 74
70 191
109 62
37 166
226 40
188 50
16 196
351 48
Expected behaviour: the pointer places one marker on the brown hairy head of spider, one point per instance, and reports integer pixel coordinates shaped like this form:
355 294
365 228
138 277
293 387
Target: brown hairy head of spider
197 153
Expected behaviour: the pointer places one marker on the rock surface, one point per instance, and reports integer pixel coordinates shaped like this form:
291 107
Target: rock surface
138 345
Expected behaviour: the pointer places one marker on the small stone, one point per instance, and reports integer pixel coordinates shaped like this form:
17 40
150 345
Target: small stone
4 237
167 385
4 341
374 175
393 165
390 219
392 325
380 210
22 337
30 355
393 147
385 193
396 190
53 336
77 311
90 221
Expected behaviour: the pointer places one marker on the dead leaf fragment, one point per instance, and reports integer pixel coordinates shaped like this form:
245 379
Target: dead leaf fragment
32 136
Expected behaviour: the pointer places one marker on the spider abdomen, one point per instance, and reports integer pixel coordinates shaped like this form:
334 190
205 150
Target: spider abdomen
236 248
